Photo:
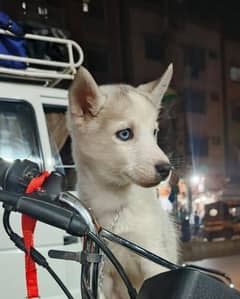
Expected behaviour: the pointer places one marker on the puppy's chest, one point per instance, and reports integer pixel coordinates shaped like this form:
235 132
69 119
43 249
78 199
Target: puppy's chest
132 216
129 221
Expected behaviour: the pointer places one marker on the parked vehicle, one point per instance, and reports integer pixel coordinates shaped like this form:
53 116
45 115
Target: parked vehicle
32 126
222 219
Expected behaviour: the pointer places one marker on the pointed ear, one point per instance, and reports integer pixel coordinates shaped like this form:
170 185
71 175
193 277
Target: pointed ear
85 98
158 87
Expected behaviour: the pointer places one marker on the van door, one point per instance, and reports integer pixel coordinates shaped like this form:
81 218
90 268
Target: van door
20 139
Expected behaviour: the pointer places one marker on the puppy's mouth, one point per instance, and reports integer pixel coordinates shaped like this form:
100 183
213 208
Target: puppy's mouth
147 183
152 183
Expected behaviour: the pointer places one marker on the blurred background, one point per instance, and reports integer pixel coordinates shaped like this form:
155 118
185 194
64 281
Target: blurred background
133 42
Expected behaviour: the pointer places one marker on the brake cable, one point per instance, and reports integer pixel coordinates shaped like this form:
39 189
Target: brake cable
34 253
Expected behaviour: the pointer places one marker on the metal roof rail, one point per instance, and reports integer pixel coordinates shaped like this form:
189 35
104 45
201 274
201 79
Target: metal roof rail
50 77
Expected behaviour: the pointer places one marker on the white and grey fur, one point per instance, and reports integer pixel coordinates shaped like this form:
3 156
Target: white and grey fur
116 178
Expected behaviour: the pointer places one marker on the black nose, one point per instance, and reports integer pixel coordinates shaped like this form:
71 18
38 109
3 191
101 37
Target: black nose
163 170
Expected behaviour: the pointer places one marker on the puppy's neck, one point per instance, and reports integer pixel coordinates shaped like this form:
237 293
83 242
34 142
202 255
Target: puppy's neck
105 199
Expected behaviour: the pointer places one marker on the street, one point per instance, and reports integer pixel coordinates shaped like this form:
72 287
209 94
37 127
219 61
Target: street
228 264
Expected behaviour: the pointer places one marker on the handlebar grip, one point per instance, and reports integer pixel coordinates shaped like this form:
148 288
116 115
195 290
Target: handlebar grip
48 212
9 198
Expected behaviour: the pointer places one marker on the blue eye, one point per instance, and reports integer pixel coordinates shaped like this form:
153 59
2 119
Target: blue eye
125 134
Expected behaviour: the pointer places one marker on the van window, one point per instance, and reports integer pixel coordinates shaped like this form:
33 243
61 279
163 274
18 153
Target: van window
60 144
18 132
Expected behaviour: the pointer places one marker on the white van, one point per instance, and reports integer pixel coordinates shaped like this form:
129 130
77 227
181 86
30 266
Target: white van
32 126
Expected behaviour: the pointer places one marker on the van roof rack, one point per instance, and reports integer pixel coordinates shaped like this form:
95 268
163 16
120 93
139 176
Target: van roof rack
54 71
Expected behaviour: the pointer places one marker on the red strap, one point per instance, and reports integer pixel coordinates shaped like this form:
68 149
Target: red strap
28 227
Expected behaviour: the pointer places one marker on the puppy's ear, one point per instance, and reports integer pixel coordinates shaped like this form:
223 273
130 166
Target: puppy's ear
85 98
158 87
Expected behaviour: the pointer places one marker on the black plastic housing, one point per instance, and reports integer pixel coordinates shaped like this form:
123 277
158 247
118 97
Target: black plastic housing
186 283
16 176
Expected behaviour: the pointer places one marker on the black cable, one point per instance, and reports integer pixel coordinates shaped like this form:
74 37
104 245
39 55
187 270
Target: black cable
16 239
41 261
131 290
95 278
59 282
86 282
138 249
35 254
87 291
83 289
93 267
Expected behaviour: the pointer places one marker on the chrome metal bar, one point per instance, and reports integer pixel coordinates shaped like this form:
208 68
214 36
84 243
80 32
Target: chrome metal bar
52 39
69 67
36 73
90 271
35 60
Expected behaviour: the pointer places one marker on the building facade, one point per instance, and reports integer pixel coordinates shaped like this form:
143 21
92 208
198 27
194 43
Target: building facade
133 42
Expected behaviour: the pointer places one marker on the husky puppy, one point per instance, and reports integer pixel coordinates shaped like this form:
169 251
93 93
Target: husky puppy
118 163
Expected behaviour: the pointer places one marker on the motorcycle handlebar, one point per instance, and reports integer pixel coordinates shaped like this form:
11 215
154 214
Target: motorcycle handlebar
49 212
3 166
